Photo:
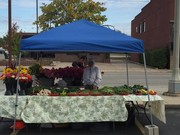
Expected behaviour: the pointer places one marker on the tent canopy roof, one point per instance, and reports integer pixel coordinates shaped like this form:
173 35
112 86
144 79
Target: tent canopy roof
82 36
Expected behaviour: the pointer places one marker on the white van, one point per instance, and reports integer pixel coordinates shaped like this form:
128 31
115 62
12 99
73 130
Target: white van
3 54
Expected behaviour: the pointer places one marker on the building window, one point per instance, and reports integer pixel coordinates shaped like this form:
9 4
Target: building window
140 28
137 29
144 26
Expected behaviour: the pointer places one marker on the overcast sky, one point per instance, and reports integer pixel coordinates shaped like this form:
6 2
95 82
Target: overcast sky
119 13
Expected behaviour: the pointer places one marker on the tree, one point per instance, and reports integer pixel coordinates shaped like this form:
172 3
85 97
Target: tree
61 12
16 37
15 40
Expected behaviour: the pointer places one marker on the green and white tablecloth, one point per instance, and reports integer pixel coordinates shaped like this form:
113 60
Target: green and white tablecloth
48 109
7 106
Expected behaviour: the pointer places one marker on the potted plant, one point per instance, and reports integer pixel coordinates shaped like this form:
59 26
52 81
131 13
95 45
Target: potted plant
25 80
34 70
9 79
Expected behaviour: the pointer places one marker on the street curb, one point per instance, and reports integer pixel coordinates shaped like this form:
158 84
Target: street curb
171 94
172 106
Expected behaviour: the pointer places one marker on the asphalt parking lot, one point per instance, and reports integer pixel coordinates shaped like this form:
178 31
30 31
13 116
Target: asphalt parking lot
74 129
107 128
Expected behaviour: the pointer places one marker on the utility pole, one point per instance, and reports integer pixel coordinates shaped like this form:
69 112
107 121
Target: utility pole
174 83
37 27
10 31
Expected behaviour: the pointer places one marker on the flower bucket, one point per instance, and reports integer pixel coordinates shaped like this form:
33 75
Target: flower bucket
9 88
23 88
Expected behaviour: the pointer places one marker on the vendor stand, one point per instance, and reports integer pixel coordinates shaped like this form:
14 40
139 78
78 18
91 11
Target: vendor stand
82 36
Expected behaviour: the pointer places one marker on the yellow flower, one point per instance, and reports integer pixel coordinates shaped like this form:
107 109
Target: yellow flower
8 70
24 71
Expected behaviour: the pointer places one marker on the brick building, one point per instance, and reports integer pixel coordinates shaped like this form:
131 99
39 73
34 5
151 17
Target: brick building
154 25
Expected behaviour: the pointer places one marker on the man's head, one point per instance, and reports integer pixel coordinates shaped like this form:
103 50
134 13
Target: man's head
75 64
91 63
83 58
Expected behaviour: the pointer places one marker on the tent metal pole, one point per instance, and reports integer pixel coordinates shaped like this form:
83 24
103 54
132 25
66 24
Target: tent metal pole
17 89
127 71
149 105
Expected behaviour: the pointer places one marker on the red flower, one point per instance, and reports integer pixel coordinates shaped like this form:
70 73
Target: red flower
49 73
67 72
25 78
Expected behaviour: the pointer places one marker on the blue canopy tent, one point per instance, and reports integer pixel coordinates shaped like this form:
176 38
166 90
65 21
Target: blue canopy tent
83 36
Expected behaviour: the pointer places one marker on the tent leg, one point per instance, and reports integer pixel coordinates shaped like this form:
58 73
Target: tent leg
149 105
127 71
17 88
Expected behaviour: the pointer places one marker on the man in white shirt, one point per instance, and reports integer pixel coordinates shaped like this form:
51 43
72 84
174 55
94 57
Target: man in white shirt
91 76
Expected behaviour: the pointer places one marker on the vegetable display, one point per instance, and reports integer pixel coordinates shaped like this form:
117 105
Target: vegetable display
117 90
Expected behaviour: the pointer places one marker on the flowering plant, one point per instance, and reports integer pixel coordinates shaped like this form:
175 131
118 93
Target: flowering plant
71 75
47 73
24 75
69 72
9 74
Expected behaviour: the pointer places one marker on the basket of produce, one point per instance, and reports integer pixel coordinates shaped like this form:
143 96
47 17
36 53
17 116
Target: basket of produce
107 91
152 92
95 93
123 90
72 93
84 93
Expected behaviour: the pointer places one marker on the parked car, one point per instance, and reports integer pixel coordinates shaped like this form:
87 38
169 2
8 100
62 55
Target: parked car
3 54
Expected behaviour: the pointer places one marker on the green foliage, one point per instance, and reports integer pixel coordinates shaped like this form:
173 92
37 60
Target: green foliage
2 42
123 89
156 58
15 40
107 90
60 12
35 69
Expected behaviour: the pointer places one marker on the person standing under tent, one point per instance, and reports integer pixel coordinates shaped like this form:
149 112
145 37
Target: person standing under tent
82 63
91 76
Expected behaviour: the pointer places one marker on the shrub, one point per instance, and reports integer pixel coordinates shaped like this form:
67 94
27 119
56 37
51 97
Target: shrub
156 58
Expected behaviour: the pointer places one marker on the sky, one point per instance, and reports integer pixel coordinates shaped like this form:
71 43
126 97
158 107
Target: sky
119 13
